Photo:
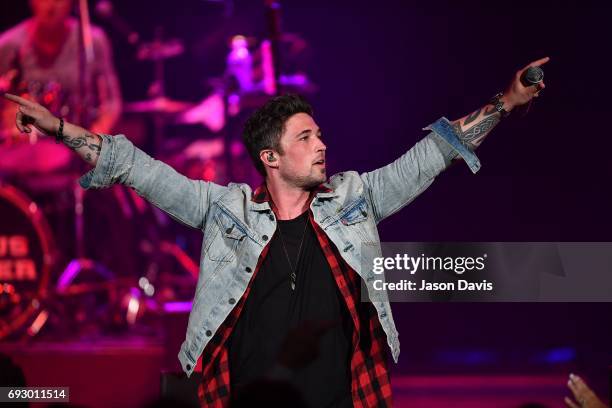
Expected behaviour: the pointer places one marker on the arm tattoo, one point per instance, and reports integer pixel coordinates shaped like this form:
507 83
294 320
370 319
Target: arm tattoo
81 141
473 136
489 111
96 148
75 142
471 117
476 133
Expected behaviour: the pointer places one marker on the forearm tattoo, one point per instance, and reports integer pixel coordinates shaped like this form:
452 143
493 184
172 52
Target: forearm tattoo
91 142
472 117
474 135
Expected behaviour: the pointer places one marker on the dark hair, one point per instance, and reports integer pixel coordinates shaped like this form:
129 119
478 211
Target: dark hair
263 129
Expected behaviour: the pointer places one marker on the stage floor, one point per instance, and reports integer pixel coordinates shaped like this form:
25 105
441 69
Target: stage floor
126 373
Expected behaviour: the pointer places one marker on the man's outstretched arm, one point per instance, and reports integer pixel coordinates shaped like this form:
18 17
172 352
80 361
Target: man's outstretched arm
393 186
117 160
85 143
472 129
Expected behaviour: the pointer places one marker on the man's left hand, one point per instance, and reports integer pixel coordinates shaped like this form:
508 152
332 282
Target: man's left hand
518 94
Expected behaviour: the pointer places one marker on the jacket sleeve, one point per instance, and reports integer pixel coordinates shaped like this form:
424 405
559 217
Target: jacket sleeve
393 186
184 199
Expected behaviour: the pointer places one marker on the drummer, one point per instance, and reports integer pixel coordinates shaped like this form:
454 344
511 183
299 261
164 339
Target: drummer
40 57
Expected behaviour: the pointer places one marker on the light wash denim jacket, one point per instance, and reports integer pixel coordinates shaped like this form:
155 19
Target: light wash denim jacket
236 229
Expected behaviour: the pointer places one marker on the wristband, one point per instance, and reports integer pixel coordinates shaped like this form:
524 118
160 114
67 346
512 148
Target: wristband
59 136
499 105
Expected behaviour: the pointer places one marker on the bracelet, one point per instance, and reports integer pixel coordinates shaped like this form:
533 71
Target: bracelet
59 136
499 105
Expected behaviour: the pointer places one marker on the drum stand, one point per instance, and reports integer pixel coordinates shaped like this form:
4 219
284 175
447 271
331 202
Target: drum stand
80 263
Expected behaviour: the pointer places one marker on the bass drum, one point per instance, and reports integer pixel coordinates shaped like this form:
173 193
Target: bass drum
27 255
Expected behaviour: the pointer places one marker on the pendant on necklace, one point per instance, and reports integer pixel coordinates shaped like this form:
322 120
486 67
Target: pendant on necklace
292 280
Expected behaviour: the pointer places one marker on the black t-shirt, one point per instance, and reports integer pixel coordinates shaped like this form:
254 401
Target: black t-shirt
272 308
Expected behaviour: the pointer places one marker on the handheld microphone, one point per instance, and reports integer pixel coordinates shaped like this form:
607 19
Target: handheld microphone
532 76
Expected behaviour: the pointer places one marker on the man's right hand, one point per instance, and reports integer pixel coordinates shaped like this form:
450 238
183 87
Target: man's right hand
87 145
32 114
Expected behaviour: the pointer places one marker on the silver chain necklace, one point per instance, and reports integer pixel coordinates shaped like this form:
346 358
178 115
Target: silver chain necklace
293 276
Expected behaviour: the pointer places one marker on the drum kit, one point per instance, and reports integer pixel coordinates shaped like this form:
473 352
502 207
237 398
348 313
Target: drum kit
76 264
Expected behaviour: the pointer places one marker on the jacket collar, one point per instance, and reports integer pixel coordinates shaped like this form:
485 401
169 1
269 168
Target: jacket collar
262 200
262 195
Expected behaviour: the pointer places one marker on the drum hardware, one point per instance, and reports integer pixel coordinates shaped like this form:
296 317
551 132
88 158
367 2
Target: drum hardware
81 263
158 52
209 113
204 159
27 254
160 105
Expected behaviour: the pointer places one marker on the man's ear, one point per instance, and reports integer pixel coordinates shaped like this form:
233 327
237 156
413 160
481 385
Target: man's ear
269 158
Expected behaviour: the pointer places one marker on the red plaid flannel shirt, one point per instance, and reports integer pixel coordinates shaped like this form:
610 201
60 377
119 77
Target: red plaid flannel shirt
370 384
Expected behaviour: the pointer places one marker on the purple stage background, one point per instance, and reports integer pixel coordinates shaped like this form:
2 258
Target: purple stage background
386 70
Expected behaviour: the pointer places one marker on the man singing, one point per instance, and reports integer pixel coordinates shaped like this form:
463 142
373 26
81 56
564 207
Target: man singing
286 256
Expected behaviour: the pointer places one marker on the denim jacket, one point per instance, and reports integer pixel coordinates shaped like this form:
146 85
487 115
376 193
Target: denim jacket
236 229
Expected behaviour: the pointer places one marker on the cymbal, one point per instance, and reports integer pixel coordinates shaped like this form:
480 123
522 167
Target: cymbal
210 113
158 105
160 50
